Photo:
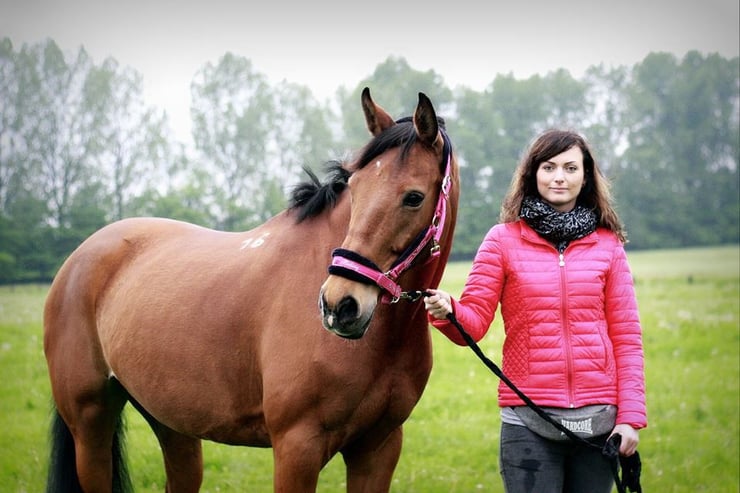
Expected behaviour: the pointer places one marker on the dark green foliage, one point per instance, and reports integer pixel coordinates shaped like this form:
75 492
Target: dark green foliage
79 148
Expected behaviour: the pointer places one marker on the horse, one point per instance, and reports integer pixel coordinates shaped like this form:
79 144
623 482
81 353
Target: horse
215 335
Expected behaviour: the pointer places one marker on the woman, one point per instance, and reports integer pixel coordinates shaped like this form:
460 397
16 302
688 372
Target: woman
556 264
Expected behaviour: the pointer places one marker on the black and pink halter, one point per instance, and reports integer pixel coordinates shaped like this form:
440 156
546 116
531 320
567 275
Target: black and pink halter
353 266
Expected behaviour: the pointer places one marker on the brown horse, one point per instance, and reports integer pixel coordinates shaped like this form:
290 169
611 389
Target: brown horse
215 335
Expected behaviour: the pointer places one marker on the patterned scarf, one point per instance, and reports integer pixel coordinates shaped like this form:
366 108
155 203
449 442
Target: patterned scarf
559 228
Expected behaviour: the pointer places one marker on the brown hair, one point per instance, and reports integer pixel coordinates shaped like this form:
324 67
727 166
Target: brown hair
595 194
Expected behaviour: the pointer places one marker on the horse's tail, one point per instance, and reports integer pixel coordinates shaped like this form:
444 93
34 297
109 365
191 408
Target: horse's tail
62 477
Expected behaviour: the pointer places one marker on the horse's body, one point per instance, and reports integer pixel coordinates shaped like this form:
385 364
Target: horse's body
217 336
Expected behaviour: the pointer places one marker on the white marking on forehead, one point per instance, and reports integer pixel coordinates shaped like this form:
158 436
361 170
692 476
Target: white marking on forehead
254 242
378 163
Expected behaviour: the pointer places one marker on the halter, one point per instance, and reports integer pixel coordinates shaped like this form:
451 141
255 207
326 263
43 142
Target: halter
353 266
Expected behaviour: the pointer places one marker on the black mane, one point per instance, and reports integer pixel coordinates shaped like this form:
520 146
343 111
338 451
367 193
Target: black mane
311 197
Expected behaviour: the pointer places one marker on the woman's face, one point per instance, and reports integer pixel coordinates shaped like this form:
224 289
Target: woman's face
560 179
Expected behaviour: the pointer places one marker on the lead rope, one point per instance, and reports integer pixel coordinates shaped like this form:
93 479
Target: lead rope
631 466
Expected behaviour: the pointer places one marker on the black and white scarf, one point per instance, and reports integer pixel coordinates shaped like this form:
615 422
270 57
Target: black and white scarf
559 228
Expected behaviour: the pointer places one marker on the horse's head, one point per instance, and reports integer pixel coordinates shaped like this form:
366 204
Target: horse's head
398 190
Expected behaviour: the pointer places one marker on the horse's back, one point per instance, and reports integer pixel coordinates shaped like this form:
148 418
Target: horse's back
87 272
130 243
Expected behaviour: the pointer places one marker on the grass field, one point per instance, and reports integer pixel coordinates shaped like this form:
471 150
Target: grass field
690 308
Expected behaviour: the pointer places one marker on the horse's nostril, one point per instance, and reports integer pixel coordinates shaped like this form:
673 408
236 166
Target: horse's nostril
347 310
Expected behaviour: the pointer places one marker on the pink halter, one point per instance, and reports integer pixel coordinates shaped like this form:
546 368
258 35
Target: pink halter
354 266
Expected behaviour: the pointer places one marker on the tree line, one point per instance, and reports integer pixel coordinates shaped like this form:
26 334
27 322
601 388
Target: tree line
80 147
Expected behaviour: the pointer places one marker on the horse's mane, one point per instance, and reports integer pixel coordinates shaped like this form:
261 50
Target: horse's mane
311 197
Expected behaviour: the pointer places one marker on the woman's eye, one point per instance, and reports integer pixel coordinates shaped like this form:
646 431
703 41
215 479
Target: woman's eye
413 199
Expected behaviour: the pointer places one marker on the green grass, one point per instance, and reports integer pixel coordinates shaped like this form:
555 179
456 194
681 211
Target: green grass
689 304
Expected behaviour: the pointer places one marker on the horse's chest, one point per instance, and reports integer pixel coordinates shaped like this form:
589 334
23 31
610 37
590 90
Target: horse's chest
389 400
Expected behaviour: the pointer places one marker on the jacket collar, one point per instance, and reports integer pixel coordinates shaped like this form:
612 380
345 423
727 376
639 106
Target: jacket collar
530 235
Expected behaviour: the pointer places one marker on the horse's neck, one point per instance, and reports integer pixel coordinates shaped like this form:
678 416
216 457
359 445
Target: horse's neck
404 324
338 216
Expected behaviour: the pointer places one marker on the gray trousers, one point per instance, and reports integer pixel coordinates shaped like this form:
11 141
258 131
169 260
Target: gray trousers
532 464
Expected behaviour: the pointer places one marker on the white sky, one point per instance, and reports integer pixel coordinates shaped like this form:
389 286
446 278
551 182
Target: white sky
325 44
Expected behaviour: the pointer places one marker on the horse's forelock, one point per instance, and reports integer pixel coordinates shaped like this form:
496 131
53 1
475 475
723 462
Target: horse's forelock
402 135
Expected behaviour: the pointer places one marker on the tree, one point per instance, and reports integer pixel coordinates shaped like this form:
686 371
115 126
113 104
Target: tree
185 199
679 173
255 137
12 170
493 130
133 136
302 137
75 138
62 123
478 208
79 147
395 86
606 126
233 114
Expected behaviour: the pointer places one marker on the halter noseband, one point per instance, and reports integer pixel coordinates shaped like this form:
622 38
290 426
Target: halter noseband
353 266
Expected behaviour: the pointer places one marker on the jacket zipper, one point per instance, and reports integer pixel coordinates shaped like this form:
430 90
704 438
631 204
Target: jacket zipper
566 327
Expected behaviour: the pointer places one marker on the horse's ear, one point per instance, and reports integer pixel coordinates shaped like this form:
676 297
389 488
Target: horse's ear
425 122
376 117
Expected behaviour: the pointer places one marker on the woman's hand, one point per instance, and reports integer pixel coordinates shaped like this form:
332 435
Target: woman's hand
438 304
630 439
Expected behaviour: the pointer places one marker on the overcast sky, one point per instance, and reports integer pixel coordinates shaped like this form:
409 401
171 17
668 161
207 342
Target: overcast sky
325 44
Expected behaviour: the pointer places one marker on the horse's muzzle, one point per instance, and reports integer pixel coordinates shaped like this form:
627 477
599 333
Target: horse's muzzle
345 318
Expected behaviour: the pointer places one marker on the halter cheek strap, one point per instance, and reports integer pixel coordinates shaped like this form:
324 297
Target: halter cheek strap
353 266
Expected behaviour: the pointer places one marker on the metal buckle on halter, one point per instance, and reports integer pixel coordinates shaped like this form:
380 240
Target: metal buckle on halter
411 296
434 251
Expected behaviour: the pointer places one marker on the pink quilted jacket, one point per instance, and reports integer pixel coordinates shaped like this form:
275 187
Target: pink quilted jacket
573 335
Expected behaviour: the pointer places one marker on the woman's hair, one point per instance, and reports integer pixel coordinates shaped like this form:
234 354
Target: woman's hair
595 194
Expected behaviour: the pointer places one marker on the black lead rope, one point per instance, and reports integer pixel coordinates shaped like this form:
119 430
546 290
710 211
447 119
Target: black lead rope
631 466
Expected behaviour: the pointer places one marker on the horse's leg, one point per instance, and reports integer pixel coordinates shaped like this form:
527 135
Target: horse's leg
298 459
95 424
370 469
183 456
183 460
88 401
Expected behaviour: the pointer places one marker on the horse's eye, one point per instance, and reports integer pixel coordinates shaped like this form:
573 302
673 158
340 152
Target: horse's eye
413 199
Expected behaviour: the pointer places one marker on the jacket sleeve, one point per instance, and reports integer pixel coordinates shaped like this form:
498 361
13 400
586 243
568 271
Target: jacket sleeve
626 336
477 305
